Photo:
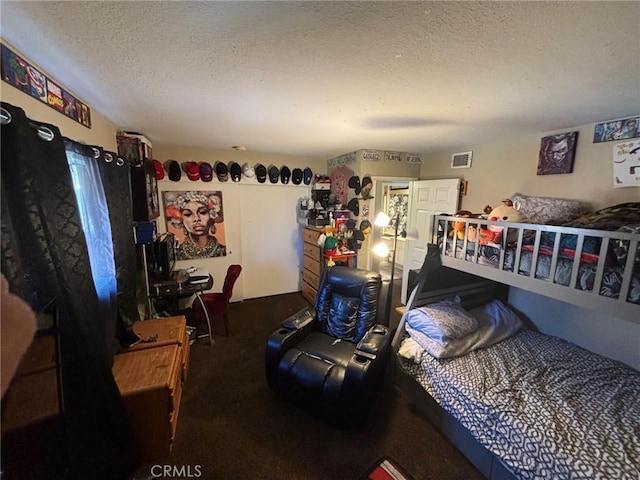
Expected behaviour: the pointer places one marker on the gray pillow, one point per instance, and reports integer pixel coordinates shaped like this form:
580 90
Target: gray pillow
496 322
443 321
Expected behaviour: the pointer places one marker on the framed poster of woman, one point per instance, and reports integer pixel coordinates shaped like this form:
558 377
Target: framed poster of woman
196 218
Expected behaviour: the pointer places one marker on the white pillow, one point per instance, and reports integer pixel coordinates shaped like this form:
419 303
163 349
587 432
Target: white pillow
410 349
443 321
496 322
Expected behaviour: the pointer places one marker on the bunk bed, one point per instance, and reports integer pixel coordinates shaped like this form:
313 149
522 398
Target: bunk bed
592 260
520 404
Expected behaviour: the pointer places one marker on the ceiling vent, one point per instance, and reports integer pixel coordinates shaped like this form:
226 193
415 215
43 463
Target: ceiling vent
461 160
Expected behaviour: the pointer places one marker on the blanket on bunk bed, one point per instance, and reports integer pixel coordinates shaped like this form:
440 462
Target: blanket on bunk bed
618 218
546 407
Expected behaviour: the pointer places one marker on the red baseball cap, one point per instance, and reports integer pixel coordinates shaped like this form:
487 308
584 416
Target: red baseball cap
193 171
159 170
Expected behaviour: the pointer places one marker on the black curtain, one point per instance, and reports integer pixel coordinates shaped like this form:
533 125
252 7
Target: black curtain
44 258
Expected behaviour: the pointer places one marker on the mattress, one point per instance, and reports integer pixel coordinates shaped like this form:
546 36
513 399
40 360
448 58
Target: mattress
546 407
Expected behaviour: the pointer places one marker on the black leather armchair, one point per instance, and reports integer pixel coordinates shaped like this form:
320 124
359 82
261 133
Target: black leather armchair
332 358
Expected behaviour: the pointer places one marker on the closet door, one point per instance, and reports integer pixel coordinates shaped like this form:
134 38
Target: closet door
271 241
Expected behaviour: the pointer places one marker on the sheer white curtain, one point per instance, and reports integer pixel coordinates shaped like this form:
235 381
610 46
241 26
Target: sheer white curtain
94 216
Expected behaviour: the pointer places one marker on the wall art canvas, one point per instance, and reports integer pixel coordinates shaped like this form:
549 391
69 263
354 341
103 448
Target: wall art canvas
196 218
557 153
626 164
616 130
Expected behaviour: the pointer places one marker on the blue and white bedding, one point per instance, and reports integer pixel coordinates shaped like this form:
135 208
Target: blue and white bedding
546 407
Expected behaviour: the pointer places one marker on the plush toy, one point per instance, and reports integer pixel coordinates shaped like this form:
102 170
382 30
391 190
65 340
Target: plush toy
457 228
506 212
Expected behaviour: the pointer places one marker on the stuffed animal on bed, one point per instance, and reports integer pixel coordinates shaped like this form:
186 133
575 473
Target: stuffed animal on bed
457 228
505 212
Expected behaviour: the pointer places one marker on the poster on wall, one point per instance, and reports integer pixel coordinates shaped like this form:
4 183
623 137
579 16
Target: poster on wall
557 153
21 74
196 218
616 130
626 164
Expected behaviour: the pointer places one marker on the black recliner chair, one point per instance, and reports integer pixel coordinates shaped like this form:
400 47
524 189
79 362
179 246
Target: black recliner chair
332 359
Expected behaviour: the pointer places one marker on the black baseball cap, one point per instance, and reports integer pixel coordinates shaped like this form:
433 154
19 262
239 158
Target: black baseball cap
296 176
236 171
274 174
222 172
285 174
261 173
174 171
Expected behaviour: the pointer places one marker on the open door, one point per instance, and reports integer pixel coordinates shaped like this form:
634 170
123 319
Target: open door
426 198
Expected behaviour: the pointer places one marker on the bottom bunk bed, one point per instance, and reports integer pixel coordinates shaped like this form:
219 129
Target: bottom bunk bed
519 404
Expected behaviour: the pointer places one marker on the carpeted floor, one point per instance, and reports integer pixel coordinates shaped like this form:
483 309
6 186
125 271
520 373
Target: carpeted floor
231 426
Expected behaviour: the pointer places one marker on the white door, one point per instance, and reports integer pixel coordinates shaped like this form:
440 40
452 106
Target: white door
426 198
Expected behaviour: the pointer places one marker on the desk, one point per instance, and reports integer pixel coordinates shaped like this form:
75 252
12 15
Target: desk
173 290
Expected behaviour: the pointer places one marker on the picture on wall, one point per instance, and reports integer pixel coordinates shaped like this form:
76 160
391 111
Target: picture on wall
617 130
626 164
557 153
196 218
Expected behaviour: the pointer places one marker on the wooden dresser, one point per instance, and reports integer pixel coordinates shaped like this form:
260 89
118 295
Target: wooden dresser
150 376
312 262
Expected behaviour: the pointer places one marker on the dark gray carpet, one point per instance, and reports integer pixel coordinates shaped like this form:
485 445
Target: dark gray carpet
231 426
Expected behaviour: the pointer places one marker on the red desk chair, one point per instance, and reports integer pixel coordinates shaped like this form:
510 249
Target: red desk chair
218 303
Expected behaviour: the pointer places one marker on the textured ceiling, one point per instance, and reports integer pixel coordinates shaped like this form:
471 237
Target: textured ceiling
323 78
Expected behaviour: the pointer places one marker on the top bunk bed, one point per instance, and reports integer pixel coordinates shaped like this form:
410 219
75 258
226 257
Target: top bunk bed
590 259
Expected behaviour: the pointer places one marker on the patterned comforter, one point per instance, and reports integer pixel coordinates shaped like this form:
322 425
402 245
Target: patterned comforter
547 408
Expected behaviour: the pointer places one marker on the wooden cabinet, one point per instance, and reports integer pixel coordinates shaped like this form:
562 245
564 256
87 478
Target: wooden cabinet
312 262
150 377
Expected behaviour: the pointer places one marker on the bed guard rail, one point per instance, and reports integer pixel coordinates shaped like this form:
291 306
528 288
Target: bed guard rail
596 269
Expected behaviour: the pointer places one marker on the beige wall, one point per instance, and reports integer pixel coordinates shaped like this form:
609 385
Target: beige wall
507 166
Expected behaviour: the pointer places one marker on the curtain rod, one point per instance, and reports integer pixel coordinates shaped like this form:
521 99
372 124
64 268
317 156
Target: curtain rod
44 133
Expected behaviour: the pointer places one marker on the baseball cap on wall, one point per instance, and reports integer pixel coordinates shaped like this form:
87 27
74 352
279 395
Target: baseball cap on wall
367 185
296 176
159 169
248 171
174 171
261 173
206 172
193 172
285 175
222 172
235 171
308 175
274 174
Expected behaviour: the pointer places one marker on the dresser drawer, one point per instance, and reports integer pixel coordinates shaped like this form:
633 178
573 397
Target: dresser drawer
311 251
310 235
311 278
314 266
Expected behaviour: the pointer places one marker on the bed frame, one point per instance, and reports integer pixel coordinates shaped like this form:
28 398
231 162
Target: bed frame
473 290
619 307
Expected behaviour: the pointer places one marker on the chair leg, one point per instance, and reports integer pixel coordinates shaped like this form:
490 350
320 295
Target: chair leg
206 314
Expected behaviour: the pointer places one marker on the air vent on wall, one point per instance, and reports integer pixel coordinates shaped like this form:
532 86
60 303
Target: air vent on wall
461 160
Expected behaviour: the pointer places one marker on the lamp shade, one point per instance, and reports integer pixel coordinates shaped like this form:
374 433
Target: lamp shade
382 220
381 250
